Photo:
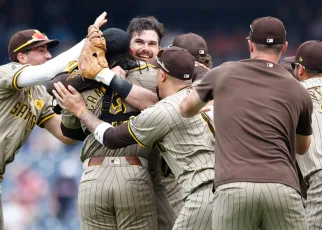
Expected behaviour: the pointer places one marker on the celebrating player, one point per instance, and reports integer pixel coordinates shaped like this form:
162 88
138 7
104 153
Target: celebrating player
260 126
24 103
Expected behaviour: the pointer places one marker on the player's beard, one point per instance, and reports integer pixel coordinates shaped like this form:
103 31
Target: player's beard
144 55
158 93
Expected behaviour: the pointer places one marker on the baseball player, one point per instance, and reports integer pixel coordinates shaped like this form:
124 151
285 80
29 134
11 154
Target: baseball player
197 47
138 211
23 102
260 127
307 67
186 144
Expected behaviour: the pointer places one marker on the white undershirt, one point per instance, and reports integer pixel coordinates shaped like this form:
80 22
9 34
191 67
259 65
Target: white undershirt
42 74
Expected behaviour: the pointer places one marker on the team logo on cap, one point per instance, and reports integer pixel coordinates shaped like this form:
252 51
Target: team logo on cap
270 40
301 59
186 76
38 35
201 52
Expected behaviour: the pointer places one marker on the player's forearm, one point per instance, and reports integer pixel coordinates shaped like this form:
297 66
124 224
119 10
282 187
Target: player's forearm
42 74
141 98
136 96
89 120
111 137
191 104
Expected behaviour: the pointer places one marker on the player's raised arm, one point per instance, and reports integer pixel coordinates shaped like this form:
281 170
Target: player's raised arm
42 73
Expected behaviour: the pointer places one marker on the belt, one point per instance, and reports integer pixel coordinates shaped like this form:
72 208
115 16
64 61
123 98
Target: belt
99 160
1 179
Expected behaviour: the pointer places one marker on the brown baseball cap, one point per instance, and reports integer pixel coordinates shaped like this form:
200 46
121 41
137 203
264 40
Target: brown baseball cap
194 43
309 54
28 39
175 61
268 31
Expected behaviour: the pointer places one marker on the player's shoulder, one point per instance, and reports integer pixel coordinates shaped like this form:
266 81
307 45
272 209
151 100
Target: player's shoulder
11 68
143 66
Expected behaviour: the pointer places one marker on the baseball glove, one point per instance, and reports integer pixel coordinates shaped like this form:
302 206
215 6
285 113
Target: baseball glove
92 58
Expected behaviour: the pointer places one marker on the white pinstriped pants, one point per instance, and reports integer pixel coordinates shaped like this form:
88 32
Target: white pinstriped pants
116 196
252 206
313 204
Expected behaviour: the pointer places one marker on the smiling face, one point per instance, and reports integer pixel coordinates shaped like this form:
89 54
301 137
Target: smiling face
145 45
35 56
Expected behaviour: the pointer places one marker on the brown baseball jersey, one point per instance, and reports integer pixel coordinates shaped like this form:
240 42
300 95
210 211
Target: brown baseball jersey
21 110
257 119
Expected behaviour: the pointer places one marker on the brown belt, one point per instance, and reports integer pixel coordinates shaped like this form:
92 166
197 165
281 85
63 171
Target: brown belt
99 161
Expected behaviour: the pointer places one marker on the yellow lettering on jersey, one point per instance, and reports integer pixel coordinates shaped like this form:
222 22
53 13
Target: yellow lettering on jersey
15 108
118 105
92 99
315 93
99 91
23 111
39 104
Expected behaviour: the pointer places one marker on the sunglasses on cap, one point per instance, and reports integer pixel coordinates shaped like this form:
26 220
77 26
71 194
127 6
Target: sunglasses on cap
37 36
159 62
293 65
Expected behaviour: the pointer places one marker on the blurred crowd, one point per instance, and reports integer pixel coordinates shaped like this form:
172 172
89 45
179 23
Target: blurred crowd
40 188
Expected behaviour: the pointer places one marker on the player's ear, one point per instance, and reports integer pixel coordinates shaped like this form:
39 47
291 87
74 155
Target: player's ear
22 58
284 47
251 46
164 76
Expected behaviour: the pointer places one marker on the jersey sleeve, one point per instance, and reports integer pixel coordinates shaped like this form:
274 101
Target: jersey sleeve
46 101
304 125
151 125
9 74
206 87
70 121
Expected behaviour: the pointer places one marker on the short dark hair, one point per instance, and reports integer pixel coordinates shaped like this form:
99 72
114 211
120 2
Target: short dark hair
313 72
206 60
271 49
122 61
138 24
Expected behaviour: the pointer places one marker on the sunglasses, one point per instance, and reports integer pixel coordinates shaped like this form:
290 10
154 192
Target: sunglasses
159 62
37 36
293 65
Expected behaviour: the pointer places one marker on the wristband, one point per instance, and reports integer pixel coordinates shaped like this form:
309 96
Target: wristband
105 76
121 86
100 130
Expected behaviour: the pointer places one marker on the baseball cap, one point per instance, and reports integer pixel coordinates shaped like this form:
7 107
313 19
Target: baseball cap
194 43
268 31
28 39
175 61
117 42
309 54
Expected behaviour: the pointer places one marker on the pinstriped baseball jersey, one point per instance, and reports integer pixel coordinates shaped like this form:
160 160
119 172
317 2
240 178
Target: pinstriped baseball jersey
144 76
186 143
312 160
21 110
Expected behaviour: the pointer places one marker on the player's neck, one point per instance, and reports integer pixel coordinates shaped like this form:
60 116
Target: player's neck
269 58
